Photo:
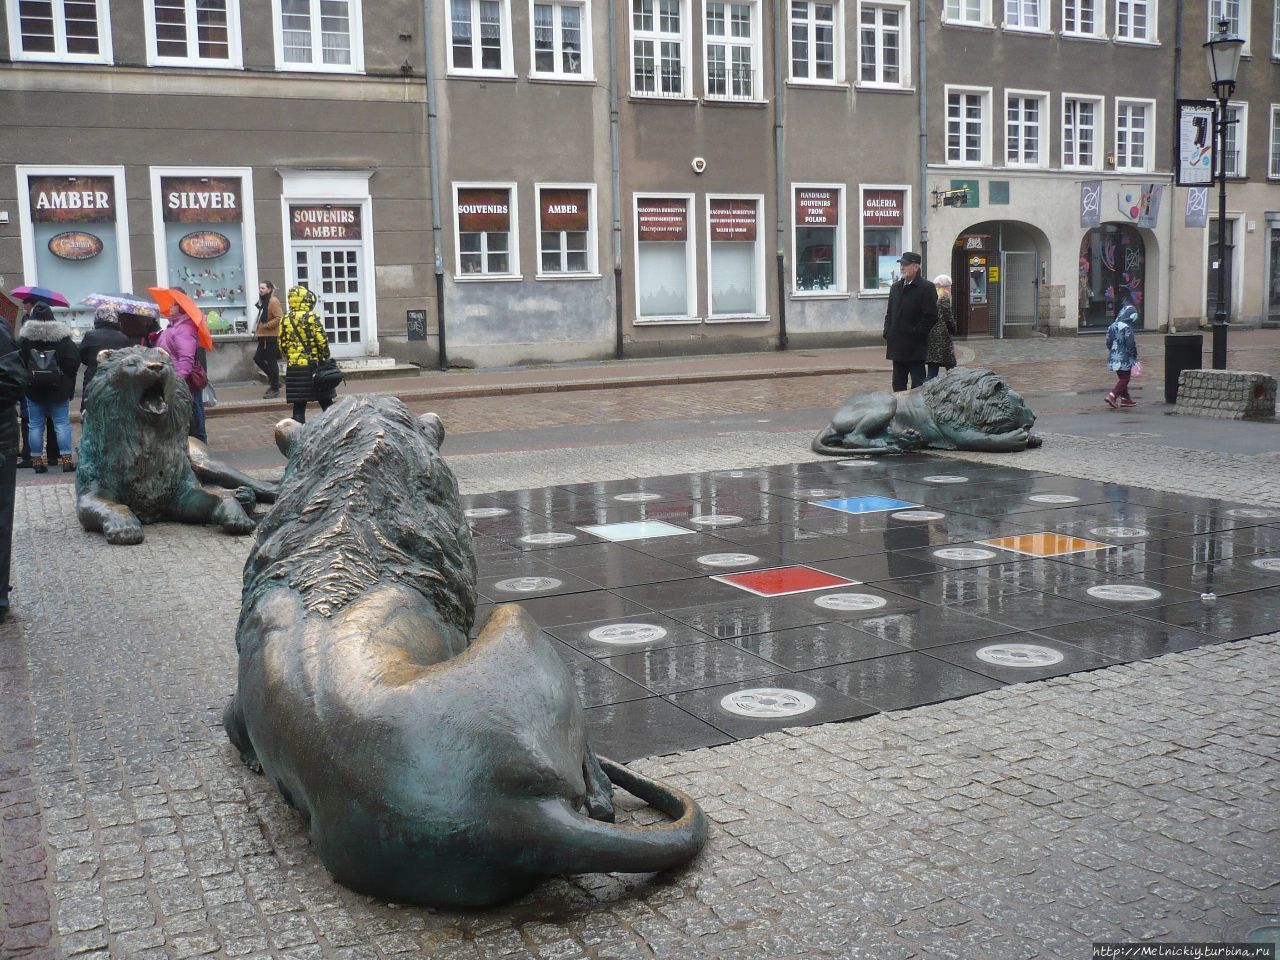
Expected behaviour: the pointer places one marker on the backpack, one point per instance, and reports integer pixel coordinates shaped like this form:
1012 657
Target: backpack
44 369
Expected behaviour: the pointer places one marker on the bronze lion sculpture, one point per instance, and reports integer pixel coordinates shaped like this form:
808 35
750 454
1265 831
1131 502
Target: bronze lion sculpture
431 770
136 463
969 409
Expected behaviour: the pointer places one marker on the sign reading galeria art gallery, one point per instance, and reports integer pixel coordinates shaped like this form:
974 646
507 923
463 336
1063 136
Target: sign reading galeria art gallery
817 207
883 208
733 220
201 199
324 221
662 219
72 199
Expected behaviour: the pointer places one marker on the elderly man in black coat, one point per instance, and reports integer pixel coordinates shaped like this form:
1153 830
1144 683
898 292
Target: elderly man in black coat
912 312
13 384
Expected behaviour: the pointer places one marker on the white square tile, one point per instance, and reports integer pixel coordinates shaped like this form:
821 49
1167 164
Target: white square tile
635 530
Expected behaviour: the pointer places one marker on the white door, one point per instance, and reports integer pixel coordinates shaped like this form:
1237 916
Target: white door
1020 272
335 274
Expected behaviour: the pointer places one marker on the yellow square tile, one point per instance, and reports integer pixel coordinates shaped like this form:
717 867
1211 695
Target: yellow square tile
1045 544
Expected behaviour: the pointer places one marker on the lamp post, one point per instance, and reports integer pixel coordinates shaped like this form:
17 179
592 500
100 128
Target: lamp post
1223 52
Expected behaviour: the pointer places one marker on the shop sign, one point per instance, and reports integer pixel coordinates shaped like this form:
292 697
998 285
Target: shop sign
817 208
75 245
733 220
993 274
324 221
976 241
883 208
662 219
204 245
201 199
72 199
481 211
565 209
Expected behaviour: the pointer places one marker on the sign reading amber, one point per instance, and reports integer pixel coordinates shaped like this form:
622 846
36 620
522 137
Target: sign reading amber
72 199
75 245
204 245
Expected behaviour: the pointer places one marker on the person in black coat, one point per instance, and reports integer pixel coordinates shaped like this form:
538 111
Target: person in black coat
911 314
52 362
105 335
13 385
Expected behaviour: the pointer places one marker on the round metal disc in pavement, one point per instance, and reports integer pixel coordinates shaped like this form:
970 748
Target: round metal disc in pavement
623 634
1053 498
1252 513
964 553
818 492
1119 533
768 703
919 516
484 513
716 520
855 463
850 601
1123 591
542 539
728 559
945 478
1019 655
527 584
638 497
1266 563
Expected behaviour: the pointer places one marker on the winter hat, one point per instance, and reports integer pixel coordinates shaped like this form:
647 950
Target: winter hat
106 316
42 311
1128 314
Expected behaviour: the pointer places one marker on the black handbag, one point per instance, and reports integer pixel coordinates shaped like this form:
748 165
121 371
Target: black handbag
326 375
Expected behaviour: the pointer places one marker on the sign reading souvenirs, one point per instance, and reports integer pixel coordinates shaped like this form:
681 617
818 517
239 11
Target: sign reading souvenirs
324 221
201 199
481 211
204 245
733 220
75 245
72 199
817 208
882 208
1196 147
662 219
565 209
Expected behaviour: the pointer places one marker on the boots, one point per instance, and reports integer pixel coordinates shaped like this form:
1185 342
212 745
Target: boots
37 461
68 465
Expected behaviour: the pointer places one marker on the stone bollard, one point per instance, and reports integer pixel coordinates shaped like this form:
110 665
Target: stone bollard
1226 394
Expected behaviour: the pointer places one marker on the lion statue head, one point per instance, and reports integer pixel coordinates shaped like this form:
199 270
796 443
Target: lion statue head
975 399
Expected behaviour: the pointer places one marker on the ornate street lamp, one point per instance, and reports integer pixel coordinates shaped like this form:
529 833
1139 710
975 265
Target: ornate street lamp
1223 53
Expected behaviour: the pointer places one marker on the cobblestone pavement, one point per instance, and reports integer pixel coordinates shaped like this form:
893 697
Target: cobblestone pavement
1132 802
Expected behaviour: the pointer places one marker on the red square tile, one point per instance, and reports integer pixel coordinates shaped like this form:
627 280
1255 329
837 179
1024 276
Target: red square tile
781 581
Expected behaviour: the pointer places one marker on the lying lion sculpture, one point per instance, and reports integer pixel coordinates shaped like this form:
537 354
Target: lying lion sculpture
968 409
431 771
136 463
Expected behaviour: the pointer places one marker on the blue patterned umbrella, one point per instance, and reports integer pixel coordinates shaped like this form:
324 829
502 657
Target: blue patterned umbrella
124 303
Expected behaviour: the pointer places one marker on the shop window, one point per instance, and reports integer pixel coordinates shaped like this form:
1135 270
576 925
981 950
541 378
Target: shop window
968 126
1081 17
819 239
1112 275
480 37
561 40
735 265
732 37
486 226
659 41
193 33
882 45
884 232
1136 20
566 230
1081 121
321 35
815 30
70 30
1134 135
664 259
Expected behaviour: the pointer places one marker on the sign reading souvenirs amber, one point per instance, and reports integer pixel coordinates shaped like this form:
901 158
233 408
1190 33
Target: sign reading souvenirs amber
817 208
565 209
204 245
733 220
662 218
201 199
484 210
883 208
75 245
324 221
72 199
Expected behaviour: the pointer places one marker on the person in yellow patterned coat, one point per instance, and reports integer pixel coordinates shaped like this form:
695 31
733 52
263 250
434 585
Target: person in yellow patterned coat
303 344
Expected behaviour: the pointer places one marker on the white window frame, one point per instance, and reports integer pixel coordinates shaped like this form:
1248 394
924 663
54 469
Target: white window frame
1236 280
658 37
761 311
1240 132
507 69
986 125
588 69
838 45
1153 22
729 42
1273 146
839 256
513 244
1275 31
905 24
1148 134
593 252
235 58
1099 31
984 14
690 256
1043 13
1042 139
1246 15
1099 132
356 18
60 55
862 227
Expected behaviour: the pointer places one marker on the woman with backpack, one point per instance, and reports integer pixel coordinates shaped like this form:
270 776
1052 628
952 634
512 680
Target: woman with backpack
52 362
181 340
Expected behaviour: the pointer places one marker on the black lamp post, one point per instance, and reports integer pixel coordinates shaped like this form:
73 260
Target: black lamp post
1223 52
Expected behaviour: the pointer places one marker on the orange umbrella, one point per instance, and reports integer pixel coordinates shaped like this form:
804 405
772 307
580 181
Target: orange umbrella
166 298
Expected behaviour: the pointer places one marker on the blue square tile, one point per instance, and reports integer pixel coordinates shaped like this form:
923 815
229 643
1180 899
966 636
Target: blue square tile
865 504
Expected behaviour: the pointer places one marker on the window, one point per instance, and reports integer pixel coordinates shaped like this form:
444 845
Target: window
735 257
1026 119
1136 20
1235 12
319 35
815 55
1275 31
486 227
561 40
566 230
479 37
75 30
884 228
969 11
967 119
1134 135
658 43
1237 139
664 259
1081 121
733 36
881 50
1026 14
193 32
1082 17
1273 167
817 213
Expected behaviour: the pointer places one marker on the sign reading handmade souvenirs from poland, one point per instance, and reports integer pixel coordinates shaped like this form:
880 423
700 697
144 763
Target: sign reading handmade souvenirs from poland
324 221
816 207
733 220
72 199
662 219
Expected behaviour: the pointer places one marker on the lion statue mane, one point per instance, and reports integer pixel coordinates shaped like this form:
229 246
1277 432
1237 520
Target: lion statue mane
136 463
431 769
968 409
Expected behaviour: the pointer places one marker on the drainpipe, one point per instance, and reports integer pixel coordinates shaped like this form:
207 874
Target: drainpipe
780 190
922 99
433 159
616 181
1173 148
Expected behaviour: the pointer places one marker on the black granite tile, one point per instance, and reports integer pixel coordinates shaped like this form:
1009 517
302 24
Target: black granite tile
626 568
1210 546
512 586
929 626
853 603
725 558
597 685
1124 594
515 565
881 566
567 653
1031 610
1222 577
738 618
676 594
647 728
1131 560
767 533
775 698
641 631
580 607
675 669
959 556
902 681
1043 575
1037 657
1125 639
1194 524
822 548
819 645
589 555
1230 618
675 545
953 586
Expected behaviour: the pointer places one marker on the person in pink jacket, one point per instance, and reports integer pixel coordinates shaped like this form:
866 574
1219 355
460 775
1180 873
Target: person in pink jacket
181 341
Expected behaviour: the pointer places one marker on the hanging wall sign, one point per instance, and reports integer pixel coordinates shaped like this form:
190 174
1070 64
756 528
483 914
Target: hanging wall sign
324 221
662 219
204 245
1197 213
733 220
566 209
72 199
1090 203
817 208
75 245
1196 153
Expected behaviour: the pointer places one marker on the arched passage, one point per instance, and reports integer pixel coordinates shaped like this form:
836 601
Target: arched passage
998 267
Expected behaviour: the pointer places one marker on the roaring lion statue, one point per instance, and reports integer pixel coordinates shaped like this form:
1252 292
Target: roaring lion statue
431 770
136 463
968 409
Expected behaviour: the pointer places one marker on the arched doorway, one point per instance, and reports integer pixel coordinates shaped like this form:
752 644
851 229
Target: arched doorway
1113 274
997 268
